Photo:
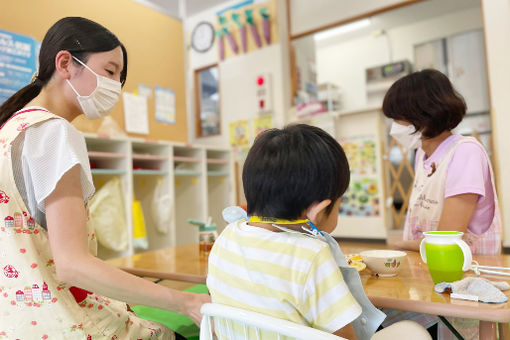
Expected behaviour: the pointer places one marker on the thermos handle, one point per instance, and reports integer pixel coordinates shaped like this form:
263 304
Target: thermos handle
422 251
468 257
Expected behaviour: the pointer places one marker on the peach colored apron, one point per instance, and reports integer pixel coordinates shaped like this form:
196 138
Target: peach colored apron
33 303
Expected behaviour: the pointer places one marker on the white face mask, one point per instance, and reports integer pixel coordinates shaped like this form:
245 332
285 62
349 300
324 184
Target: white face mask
102 100
405 135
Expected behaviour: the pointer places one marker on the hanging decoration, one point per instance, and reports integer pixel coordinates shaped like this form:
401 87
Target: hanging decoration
234 23
253 27
221 44
266 26
226 33
236 17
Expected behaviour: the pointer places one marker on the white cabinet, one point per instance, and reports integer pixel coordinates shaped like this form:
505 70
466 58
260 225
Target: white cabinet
362 133
198 180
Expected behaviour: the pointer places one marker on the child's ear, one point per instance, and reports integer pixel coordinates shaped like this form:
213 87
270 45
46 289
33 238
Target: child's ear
315 209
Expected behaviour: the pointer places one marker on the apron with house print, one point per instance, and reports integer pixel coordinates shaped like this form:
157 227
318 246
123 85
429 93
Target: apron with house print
33 303
425 208
427 200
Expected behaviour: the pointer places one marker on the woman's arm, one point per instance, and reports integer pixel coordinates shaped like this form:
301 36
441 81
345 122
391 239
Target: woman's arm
346 332
456 214
66 220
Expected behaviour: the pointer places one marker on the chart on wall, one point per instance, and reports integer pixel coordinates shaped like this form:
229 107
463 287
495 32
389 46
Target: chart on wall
17 62
362 197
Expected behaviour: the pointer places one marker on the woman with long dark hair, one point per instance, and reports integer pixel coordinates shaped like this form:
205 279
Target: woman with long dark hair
52 283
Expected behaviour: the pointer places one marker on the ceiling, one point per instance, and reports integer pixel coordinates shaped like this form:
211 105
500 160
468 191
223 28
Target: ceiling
171 7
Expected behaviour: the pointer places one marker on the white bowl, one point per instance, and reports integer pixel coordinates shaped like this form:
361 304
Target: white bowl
383 262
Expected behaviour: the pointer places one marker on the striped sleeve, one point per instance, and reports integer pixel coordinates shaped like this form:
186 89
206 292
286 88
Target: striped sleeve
327 303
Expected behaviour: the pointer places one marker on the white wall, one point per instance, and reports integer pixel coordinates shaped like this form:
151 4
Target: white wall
238 78
344 64
497 39
238 88
307 15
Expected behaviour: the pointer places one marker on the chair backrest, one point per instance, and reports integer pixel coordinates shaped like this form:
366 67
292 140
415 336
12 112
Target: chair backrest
236 324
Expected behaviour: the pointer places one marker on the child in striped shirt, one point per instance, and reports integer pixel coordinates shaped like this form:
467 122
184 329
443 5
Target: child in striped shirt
291 177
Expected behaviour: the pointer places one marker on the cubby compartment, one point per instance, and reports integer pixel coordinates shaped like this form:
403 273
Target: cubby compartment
100 180
188 161
195 182
157 210
218 163
150 159
219 189
108 156
189 203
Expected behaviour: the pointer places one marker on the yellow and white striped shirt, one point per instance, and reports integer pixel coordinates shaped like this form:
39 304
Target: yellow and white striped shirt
285 275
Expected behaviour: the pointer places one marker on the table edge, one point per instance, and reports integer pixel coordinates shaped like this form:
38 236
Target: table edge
444 309
165 275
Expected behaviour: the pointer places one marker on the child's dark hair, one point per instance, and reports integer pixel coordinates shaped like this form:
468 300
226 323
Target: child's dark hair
80 37
287 170
427 100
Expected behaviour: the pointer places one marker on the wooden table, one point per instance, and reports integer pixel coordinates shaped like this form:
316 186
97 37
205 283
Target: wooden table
412 290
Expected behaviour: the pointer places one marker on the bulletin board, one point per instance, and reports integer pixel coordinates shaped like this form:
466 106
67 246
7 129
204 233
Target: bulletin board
154 42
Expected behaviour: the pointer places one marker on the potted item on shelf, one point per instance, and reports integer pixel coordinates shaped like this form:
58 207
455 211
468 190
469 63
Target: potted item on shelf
329 95
207 234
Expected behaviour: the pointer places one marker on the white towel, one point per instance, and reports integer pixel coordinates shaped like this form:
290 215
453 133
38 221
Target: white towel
483 289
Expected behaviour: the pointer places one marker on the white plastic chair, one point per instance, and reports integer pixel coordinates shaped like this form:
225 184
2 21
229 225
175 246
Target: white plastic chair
252 322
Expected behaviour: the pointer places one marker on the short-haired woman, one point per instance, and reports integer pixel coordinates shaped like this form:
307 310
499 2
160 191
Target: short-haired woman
454 183
453 186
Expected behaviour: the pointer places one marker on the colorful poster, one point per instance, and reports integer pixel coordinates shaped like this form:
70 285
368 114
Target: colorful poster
17 63
361 199
361 155
239 133
262 123
362 196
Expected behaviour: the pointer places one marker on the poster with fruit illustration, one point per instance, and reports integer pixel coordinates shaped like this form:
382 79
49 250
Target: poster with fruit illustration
361 155
362 197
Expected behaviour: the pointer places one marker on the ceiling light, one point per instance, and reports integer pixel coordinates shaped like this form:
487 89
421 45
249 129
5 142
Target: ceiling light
352 26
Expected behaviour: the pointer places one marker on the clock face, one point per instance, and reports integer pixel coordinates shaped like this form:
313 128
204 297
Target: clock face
202 37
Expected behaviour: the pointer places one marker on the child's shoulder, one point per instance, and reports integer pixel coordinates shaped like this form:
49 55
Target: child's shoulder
280 240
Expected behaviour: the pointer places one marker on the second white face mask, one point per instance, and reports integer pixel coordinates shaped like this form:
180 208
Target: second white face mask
406 136
102 100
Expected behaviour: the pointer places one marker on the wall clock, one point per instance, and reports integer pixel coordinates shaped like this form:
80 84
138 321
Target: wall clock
202 37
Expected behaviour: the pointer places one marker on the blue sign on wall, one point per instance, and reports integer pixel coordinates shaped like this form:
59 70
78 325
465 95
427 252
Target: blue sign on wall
17 63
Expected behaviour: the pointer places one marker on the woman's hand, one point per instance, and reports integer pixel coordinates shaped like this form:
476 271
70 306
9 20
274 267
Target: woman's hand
413 245
193 304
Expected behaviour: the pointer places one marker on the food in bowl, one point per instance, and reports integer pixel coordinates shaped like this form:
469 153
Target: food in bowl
383 262
355 261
